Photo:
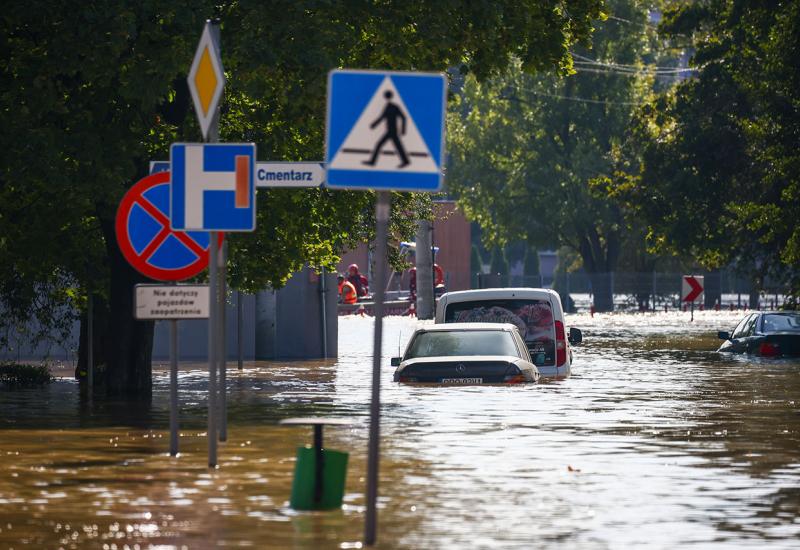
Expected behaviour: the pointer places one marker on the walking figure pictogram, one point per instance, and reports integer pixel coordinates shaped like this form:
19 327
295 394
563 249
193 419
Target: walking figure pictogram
391 114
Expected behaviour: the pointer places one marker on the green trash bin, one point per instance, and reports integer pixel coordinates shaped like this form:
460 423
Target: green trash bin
311 493
320 473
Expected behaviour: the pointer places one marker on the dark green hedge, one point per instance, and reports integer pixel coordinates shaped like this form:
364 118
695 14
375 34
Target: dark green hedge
16 375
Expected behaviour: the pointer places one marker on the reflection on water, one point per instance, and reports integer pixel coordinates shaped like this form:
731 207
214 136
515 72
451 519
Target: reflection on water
656 439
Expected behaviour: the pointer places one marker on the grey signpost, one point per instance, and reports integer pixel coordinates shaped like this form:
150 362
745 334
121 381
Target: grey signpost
225 168
173 388
222 352
239 339
212 352
90 345
153 302
206 89
382 209
359 155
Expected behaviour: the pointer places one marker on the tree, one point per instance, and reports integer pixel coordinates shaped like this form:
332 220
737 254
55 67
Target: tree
531 267
719 173
475 261
92 93
525 149
498 263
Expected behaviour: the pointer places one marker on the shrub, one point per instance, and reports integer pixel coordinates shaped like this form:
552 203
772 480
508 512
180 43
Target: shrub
16 375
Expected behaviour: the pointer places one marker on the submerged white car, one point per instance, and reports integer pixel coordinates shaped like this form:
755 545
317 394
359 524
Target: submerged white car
536 312
466 353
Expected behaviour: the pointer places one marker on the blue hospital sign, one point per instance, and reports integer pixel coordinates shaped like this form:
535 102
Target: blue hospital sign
213 186
385 130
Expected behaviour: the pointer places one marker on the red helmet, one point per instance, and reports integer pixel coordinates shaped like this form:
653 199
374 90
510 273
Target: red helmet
353 268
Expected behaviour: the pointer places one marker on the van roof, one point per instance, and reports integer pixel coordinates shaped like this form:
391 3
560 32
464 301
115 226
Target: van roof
500 293
467 326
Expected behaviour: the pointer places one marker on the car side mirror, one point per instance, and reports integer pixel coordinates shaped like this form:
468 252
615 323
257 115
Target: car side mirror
575 336
396 361
724 335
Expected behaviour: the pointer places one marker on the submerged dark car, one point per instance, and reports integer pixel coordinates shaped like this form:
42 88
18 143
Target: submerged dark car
466 353
773 334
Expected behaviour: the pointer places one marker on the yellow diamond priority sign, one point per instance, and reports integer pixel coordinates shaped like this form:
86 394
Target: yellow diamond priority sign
206 79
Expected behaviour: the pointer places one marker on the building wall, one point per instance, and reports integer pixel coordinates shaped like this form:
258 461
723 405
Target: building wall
451 233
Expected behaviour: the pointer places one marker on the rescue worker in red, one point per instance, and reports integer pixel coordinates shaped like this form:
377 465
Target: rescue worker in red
357 280
438 276
347 292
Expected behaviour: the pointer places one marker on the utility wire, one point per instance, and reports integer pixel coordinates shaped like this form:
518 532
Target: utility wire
623 67
642 70
577 99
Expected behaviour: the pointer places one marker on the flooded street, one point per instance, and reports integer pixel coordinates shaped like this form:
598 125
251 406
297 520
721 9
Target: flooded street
655 440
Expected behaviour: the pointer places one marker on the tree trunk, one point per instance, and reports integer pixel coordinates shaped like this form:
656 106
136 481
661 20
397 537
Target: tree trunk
712 291
602 289
100 343
130 342
756 285
600 263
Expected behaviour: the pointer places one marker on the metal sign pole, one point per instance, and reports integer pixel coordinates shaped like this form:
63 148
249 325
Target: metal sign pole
213 318
239 339
173 388
323 292
382 207
212 350
222 352
90 346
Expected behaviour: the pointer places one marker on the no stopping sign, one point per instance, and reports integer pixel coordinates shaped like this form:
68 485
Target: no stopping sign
146 240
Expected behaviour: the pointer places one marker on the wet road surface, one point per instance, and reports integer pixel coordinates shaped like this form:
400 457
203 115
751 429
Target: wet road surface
655 440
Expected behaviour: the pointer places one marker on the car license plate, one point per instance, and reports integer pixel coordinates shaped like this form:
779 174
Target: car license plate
462 380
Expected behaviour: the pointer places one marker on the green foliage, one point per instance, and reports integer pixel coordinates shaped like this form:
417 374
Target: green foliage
499 263
525 148
531 267
92 92
719 174
17 375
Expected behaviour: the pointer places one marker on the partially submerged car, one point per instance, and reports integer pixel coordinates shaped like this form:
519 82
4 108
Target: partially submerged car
466 353
769 334
536 312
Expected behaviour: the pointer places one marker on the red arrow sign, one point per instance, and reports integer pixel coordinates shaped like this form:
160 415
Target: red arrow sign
692 287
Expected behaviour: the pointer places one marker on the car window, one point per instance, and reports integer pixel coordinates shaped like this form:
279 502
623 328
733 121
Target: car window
781 322
533 318
522 349
749 329
739 331
462 342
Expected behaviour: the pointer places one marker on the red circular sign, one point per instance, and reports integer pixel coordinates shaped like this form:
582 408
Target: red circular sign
146 240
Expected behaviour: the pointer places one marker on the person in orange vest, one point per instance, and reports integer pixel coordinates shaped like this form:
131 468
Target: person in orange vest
347 292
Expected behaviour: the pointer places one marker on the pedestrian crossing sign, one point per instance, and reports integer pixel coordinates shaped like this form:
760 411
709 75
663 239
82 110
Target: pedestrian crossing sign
385 130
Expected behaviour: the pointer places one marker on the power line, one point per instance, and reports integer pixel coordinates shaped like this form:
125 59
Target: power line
623 67
577 99
642 70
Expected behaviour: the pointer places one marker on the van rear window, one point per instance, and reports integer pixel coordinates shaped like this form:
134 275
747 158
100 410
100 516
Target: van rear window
533 318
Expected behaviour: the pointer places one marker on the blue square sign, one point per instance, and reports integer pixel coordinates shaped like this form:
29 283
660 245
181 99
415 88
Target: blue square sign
385 130
213 186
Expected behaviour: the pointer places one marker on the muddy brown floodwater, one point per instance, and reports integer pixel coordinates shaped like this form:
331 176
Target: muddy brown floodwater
655 440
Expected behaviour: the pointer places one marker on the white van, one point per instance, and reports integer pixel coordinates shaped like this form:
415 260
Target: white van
536 312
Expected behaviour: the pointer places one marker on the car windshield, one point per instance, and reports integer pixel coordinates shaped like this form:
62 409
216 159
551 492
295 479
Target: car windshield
533 318
782 322
462 342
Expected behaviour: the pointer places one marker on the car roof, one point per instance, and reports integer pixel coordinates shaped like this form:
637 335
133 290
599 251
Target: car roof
488 293
453 327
